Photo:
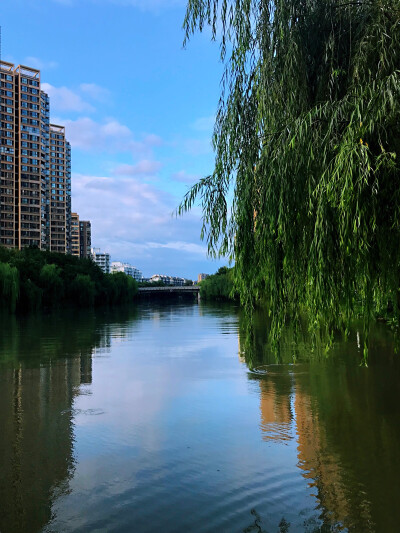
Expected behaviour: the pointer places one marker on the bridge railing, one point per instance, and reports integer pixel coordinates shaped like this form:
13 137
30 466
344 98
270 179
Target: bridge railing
170 288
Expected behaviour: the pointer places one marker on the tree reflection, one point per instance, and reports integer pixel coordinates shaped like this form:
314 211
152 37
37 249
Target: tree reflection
344 418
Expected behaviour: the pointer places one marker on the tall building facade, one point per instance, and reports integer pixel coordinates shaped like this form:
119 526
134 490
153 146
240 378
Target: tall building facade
75 235
102 259
60 191
35 159
85 238
8 191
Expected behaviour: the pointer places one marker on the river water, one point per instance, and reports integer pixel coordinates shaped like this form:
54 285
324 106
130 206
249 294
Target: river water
166 418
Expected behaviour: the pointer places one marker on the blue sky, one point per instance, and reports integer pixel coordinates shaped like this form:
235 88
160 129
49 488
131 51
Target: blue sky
138 111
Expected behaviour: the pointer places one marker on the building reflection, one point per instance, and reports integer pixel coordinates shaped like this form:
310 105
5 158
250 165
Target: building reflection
320 465
276 412
287 413
44 364
36 447
290 410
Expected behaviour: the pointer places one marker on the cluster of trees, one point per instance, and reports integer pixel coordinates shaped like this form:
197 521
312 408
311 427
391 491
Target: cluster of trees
305 192
218 286
31 279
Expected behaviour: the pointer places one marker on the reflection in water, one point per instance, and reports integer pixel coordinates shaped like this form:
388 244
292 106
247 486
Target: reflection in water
146 420
36 442
346 421
44 362
275 406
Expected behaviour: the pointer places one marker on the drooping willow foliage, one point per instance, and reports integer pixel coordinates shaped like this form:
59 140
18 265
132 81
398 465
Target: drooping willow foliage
9 286
307 136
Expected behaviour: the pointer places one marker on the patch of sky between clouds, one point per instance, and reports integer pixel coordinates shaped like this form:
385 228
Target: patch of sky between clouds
40 64
32 62
144 167
204 123
184 177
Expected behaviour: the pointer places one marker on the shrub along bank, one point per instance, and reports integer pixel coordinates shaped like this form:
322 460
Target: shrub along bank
31 279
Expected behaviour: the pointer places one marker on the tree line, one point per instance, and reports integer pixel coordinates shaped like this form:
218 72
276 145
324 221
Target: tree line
219 286
31 279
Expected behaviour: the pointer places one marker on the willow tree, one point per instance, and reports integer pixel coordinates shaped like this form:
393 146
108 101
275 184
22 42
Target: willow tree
305 193
9 286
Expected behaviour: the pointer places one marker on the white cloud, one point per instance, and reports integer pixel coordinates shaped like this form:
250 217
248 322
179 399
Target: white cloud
189 247
113 128
133 221
94 91
64 99
143 167
109 135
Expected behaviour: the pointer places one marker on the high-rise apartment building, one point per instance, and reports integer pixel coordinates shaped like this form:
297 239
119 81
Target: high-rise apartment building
8 191
60 191
81 237
35 159
85 238
75 235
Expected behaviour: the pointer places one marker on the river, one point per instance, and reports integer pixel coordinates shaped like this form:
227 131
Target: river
165 418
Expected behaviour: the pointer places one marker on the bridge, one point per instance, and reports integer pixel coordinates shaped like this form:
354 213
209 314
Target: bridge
170 290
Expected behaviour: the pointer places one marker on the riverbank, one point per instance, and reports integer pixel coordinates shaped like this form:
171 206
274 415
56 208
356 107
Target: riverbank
31 279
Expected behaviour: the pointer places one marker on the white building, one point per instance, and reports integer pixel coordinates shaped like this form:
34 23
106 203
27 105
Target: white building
167 280
102 259
126 268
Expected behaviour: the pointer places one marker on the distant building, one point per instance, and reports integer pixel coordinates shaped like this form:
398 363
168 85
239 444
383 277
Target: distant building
102 259
202 277
168 280
85 238
126 268
81 236
75 240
